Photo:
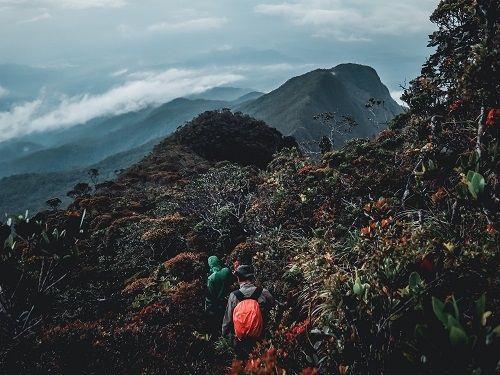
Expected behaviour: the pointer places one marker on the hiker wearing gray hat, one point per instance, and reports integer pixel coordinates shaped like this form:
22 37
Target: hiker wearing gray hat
244 272
246 312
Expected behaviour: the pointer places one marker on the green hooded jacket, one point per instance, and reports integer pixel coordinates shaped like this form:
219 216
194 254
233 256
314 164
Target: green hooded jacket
217 285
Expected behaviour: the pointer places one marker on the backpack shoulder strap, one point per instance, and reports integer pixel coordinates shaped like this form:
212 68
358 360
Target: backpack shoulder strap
239 295
256 294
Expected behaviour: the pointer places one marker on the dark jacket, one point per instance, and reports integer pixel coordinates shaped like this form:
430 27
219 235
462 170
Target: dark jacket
266 302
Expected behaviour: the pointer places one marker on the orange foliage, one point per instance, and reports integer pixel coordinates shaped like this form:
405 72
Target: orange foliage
137 285
297 330
493 117
439 195
267 365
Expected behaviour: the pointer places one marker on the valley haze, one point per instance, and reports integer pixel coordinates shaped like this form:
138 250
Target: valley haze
102 96
41 165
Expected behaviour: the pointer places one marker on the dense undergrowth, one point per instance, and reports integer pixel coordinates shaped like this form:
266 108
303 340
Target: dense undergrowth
383 254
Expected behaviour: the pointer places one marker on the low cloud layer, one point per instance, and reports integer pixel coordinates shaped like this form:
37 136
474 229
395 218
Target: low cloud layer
42 15
142 90
192 25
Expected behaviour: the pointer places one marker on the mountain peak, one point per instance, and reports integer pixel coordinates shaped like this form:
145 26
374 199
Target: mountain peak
343 90
353 67
223 135
212 136
363 76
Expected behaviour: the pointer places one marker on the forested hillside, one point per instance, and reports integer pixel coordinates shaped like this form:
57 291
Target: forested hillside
383 254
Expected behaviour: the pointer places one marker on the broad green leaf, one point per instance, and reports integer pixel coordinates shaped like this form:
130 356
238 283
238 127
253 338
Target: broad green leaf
357 287
415 281
438 308
496 331
478 183
480 306
470 175
9 242
452 322
458 337
475 183
455 308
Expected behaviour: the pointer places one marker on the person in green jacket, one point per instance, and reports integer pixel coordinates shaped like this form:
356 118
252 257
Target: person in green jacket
218 284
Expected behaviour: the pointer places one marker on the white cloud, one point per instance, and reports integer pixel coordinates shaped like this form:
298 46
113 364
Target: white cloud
353 20
396 95
42 16
85 4
66 4
192 25
150 88
119 73
15 121
3 92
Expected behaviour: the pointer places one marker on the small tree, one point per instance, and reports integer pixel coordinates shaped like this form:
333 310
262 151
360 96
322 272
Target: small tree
53 203
325 145
219 200
223 189
94 175
336 126
377 109
79 190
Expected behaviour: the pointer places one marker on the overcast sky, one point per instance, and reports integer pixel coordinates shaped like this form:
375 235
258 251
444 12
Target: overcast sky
203 38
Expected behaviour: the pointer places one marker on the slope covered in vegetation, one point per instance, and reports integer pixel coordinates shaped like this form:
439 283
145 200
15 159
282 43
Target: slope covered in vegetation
384 254
343 90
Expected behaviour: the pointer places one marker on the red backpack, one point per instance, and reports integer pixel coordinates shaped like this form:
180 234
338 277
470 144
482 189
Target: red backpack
247 317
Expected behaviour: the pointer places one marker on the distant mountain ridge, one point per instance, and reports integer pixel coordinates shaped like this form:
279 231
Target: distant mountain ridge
110 143
101 138
344 90
31 190
224 93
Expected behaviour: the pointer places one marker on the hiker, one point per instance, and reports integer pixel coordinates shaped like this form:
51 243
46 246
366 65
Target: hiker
218 284
247 310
